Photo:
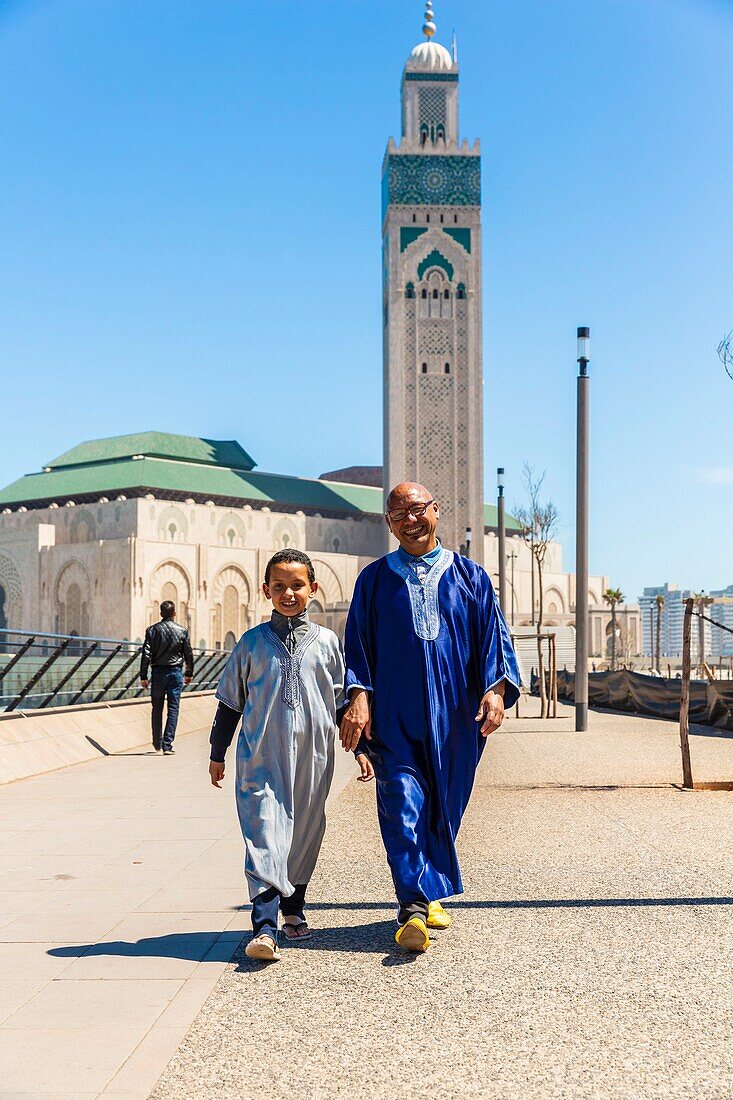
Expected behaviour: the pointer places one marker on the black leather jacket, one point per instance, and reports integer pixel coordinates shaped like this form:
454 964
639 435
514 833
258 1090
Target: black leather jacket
166 645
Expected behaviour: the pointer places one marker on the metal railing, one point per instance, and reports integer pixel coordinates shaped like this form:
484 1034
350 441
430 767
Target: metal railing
40 670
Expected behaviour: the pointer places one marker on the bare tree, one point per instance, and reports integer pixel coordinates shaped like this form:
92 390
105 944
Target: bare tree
725 353
538 522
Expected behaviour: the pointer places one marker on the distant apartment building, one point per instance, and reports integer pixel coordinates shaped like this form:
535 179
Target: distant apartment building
717 643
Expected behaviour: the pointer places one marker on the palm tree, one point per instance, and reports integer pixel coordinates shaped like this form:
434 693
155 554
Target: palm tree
613 596
660 608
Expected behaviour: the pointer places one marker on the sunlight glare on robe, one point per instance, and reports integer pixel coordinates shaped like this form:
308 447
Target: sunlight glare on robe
427 652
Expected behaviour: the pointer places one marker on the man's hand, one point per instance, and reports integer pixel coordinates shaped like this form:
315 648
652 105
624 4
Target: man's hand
187 679
145 683
356 721
491 710
365 765
216 771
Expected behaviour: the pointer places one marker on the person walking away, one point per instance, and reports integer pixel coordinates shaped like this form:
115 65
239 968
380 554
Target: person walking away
167 650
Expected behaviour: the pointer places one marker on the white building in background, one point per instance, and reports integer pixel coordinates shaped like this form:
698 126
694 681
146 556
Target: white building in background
672 622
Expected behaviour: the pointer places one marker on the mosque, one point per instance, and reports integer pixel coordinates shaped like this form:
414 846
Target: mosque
93 543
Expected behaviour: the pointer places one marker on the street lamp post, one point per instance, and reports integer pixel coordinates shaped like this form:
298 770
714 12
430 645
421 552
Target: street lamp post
502 540
581 537
468 542
512 559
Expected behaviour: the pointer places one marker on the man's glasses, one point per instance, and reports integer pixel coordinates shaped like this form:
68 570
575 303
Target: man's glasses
416 510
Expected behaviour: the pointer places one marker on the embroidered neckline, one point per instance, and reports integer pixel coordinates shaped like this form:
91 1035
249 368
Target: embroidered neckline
290 662
423 594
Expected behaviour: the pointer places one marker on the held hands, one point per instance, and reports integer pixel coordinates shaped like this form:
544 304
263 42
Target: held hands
216 771
491 711
187 679
356 721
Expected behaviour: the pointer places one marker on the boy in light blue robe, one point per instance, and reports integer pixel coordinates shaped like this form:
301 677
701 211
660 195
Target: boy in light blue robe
284 680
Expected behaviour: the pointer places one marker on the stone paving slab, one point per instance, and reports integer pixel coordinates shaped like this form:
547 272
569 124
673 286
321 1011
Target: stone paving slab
589 955
121 904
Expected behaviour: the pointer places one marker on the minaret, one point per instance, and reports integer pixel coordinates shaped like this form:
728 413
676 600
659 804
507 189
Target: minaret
431 232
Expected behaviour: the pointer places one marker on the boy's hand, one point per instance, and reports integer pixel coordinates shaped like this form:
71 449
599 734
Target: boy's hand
145 683
216 771
367 771
356 721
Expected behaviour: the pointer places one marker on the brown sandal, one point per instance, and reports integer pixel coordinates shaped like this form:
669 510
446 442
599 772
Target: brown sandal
297 931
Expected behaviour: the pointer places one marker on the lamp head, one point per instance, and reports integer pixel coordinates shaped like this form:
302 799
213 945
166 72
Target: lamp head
583 347
500 480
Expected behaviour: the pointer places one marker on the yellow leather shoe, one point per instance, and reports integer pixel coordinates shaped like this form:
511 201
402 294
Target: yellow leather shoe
437 916
413 935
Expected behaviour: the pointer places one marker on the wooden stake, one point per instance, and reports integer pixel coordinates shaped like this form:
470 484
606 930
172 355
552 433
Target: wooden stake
685 697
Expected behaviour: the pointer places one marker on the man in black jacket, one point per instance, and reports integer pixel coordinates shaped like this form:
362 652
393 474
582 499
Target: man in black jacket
167 648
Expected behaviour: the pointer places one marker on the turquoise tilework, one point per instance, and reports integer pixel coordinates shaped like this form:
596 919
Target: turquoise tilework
463 236
415 180
410 233
435 259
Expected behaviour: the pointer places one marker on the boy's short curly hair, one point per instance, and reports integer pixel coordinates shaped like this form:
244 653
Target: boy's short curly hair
285 557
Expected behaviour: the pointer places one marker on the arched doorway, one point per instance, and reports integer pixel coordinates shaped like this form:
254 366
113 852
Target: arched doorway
230 611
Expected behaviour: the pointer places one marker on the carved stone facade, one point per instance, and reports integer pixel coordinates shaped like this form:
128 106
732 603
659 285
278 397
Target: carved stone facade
432 349
106 575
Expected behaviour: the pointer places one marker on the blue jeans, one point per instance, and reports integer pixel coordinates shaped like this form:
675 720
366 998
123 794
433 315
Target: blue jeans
166 683
266 905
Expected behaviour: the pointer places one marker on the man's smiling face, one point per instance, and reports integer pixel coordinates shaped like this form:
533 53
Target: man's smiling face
414 531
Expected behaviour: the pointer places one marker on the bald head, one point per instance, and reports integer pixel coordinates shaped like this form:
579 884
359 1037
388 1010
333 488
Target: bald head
407 492
412 516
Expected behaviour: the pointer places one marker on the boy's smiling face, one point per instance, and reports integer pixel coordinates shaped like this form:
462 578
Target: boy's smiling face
289 588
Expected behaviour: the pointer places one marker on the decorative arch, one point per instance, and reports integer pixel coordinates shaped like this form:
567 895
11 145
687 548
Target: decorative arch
231 530
72 593
593 598
435 259
329 586
172 525
554 602
83 527
336 538
11 609
285 533
170 581
231 595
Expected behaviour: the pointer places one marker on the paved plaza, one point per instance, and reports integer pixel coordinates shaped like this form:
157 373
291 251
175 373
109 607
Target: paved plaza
589 955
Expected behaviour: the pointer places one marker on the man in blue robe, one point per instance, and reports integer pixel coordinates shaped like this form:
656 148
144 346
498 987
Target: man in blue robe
430 669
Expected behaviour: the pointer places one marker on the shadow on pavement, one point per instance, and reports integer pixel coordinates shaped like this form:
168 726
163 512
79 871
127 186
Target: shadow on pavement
539 903
370 937
193 946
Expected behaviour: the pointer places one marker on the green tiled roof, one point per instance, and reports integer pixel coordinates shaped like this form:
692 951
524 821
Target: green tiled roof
156 474
183 448
177 466
491 518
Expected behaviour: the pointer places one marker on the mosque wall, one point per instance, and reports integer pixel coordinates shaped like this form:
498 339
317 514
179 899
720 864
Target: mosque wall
103 569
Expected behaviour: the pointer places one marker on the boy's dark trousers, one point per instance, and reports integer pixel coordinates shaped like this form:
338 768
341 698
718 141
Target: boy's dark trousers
166 683
266 906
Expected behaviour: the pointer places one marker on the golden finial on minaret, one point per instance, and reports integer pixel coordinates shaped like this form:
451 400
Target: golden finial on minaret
428 26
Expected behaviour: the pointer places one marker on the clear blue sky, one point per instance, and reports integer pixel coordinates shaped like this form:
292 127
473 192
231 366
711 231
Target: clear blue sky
190 233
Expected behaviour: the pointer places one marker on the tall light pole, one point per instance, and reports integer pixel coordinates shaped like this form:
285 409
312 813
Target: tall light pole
468 542
502 540
581 537
512 559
